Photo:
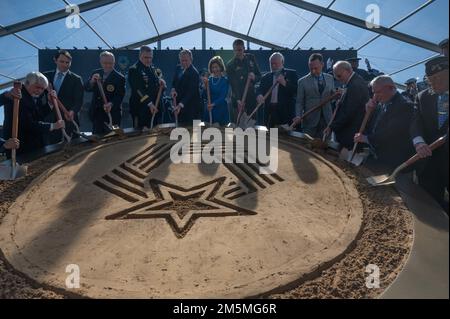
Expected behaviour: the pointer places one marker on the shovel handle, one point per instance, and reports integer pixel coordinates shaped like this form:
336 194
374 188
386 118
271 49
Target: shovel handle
15 124
317 107
102 92
264 99
362 128
247 86
436 144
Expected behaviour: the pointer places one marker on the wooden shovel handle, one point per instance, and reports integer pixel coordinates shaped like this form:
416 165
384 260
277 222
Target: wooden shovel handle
208 91
436 144
15 123
247 86
102 92
158 97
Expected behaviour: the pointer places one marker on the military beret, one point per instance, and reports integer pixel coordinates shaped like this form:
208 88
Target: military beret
436 65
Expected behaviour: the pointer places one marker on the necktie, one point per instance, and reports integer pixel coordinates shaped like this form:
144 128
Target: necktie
442 109
321 84
274 98
58 81
380 114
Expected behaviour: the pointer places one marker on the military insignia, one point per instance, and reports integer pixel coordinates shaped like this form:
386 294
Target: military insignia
110 88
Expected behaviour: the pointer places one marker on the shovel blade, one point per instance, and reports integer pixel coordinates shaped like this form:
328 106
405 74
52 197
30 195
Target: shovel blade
8 173
381 180
356 159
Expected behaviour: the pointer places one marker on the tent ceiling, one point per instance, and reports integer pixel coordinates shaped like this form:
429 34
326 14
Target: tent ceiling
408 35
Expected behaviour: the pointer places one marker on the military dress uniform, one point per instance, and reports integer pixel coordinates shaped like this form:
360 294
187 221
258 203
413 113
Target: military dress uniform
114 88
430 123
144 83
237 71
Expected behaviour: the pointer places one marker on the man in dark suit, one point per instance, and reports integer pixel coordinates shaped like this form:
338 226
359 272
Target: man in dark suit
33 108
351 106
280 104
186 90
113 84
69 87
239 69
388 131
144 83
430 123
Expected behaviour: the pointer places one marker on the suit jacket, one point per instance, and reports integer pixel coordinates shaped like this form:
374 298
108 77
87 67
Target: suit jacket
426 125
71 92
308 96
187 85
286 94
114 88
388 132
139 86
31 122
352 108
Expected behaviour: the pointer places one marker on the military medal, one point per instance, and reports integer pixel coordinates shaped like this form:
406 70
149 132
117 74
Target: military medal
110 88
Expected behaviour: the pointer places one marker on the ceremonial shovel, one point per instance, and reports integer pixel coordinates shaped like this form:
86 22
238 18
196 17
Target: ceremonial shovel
244 97
385 181
208 93
11 170
91 138
59 118
353 157
289 128
248 121
110 125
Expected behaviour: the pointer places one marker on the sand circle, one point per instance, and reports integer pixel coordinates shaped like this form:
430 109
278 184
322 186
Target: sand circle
136 225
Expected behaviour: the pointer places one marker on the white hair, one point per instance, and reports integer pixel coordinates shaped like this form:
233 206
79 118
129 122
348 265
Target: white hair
36 78
382 80
186 52
277 55
343 65
107 53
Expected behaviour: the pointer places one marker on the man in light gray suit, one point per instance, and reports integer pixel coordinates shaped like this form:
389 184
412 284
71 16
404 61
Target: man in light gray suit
312 89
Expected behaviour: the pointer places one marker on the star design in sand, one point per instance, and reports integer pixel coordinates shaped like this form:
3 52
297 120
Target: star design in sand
181 206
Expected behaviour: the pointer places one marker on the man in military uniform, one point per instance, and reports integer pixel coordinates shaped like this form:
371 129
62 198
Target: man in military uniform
410 93
113 84
145 83
431 122
69 87
361 72
241 67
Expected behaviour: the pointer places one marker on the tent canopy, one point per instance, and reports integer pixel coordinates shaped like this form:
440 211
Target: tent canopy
408 34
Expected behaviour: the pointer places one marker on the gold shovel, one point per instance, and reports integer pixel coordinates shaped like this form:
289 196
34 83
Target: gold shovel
385 181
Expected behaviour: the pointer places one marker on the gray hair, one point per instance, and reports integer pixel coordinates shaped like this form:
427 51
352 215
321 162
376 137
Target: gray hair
277 55
107 53
343 65
36 78
186 52
382 80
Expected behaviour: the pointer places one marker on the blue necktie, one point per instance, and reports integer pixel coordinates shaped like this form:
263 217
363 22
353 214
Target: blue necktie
442 109
58 81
